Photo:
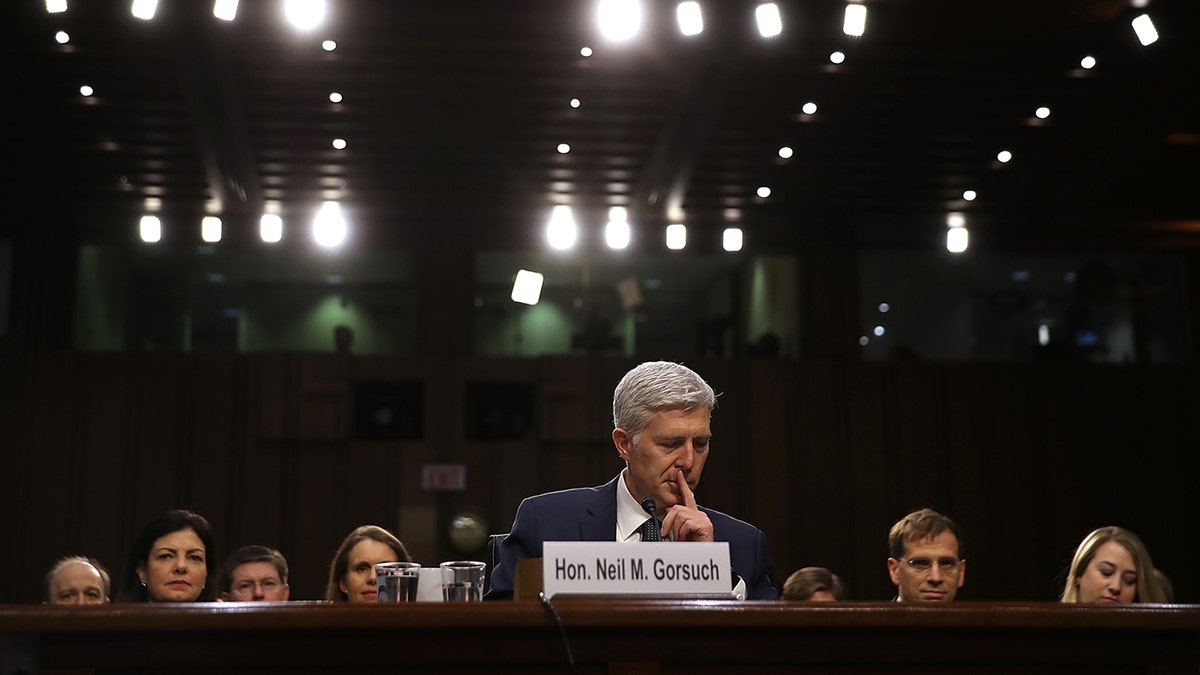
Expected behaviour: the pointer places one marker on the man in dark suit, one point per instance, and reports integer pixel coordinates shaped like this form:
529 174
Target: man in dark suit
661 413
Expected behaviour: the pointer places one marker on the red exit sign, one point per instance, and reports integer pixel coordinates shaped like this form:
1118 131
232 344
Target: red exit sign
444 477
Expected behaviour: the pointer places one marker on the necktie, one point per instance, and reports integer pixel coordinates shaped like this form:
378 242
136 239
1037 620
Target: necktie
649 530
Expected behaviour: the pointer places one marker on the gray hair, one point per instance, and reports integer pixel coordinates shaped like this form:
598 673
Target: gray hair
105 579
654 386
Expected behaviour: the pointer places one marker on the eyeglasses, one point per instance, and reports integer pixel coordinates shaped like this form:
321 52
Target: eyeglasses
945 565
247 586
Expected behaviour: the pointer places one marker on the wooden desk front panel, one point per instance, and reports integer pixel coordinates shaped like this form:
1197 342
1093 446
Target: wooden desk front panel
606 636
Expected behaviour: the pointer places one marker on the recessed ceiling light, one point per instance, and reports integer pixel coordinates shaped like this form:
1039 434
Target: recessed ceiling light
809 108
563 148
575 103
1088 62
763 192
837 57
785 152
1004 156
1042 113
969 195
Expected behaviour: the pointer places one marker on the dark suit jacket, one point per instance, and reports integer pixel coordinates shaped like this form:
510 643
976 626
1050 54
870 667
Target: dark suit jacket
590 514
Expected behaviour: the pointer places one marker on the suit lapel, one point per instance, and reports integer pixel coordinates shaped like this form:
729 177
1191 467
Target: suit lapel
601 523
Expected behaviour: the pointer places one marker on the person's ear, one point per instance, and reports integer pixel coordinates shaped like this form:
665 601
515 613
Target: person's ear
623 441
894 570
141 572
287 591
962 572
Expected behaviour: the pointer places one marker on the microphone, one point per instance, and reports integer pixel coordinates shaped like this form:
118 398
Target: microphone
649 507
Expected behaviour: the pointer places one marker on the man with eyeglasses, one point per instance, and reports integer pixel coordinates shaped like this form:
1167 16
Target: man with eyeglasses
926 562
254 574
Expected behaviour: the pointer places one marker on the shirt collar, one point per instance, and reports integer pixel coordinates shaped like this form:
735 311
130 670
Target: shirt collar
630 515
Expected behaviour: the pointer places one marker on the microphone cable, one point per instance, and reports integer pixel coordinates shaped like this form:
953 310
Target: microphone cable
562 630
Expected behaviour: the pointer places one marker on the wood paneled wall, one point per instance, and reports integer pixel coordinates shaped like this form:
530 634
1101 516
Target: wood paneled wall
823 457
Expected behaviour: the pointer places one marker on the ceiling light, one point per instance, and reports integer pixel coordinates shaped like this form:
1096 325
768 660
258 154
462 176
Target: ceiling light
1004 157
763 192
561 231
527 287
767 17
970 195
585 52
339 144
879 331
328 45
304 14
86 90
855 21
691 21
731 239
210 229
335 97
837 57
150 229
270 228
1088 62
957 239
144 9
575 103
1147 34
1042 113
225 10
884 307
616 233
329 227
864 340
955 219
809 108
56 6
785 152
676 237
61 37
619 19
563 148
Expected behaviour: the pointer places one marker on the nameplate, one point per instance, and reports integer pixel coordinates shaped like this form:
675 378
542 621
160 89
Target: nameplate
661 569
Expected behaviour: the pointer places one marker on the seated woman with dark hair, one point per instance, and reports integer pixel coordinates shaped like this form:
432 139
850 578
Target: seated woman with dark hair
814 584
171 561
352 572
1112 564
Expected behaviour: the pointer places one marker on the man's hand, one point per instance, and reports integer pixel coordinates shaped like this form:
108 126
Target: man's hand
684 521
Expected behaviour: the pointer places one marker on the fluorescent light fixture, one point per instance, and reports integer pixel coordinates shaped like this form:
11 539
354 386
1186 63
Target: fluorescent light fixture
731 239
619 20
561 232
329 227
956 239
210 229
144 9
767 17
56 6
150 229
676 237
690 18
270 228
855 22
1143 26
527 287
616 233
304 14
225 10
